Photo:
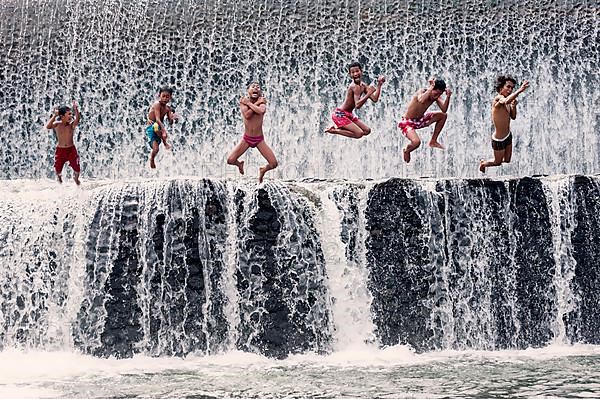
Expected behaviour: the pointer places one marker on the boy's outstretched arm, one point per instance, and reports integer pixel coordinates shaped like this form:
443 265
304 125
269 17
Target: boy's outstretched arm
77 115
50 124
377 93
510 98
444 105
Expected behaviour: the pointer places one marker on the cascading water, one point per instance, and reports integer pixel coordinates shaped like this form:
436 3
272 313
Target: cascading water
186 272
111 56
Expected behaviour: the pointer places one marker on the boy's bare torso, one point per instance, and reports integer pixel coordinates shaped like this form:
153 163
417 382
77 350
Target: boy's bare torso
416 109
354 91
253 125
501 118
163 109
64 134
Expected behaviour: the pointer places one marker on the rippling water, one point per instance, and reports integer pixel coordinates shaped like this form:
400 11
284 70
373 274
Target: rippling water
553 372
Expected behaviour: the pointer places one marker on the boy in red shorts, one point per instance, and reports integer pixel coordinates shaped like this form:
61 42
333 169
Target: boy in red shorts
357 94
64 125
417 116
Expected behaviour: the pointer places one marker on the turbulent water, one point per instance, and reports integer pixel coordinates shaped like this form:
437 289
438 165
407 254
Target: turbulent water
556 372
111 56
322 282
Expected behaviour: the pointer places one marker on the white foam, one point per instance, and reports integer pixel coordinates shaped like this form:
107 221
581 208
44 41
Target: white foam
18 366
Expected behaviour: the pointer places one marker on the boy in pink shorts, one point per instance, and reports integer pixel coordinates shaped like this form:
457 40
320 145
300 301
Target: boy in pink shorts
416 116
253 108
357 94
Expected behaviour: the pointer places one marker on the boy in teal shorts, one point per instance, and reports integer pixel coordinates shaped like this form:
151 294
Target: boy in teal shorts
156 132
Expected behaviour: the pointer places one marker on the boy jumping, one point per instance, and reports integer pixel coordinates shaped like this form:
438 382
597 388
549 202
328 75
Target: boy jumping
156 130
357 94
504 108
253 108
416 116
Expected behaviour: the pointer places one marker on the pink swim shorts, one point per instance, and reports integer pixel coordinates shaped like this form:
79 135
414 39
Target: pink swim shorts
342 117
417 123
253 141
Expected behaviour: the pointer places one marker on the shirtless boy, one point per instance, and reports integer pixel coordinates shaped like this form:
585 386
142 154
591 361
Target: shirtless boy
253 108
156 130
504 108
357 94
416 116
64 125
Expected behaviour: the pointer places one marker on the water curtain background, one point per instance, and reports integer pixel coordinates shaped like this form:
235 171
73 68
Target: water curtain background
111 57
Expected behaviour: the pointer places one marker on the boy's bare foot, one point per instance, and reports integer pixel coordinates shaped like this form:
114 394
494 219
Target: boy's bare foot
331 129
152 164
435 144
481 166
59 178
406 154
261 175
240 166
76 178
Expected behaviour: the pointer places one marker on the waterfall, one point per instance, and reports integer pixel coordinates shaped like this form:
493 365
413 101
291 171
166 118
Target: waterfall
173 267
112 55
342 225
562 207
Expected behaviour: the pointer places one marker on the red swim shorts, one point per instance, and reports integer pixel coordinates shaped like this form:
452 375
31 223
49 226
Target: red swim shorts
417 123
63 155
253 141
342 117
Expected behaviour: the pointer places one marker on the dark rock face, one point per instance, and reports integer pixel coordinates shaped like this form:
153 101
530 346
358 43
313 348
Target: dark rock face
398 261
111 299
281 283
467 264
156 266
584 324
534 262
154 297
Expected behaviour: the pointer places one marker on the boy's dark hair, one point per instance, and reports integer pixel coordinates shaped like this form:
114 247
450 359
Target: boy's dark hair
254 82
165 89
354 64
439 84
63 109
501 81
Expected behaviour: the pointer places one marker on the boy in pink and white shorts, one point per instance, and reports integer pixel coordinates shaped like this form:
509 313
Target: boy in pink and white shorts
416 116
357 94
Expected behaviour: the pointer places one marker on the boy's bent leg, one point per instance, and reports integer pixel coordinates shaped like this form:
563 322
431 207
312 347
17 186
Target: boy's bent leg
237 152
366 130
266 152
414 143
440 119
351 130
76 178
497 161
